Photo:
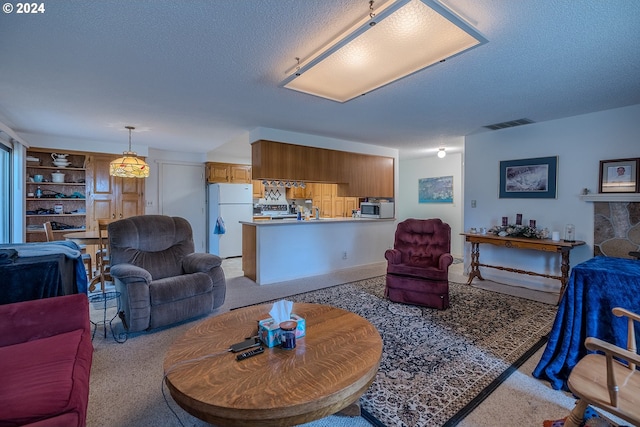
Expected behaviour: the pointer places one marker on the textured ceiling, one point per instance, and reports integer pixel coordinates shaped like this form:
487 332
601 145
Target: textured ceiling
198 74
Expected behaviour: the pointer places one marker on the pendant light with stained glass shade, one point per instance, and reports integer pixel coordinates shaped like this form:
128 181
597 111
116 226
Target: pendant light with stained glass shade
129 165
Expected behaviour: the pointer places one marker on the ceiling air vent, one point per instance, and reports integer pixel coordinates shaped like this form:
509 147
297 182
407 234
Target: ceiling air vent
509 124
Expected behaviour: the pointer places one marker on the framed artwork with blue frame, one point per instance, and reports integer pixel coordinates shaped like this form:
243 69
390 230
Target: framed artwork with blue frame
529 178
435 190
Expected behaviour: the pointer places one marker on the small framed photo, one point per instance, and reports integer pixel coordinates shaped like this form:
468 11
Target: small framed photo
619 176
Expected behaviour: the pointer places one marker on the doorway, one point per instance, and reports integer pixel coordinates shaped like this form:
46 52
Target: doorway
182 192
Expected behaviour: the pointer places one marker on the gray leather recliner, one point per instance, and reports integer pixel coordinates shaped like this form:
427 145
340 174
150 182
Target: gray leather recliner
160 279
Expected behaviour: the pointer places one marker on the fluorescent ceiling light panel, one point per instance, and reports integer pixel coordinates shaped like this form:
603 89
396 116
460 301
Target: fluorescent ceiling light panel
408 36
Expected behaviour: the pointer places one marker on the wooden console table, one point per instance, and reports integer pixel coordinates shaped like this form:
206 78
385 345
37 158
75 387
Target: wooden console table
545 245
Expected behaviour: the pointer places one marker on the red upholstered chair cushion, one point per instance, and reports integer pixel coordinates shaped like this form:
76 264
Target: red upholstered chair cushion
422 241
38 378
432 273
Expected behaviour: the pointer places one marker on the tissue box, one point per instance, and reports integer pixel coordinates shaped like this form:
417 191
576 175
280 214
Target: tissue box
269 331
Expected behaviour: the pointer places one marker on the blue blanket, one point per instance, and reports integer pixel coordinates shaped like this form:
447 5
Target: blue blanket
68 248
595 287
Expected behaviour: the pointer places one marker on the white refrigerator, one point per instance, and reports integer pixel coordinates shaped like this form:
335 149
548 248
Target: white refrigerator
230 203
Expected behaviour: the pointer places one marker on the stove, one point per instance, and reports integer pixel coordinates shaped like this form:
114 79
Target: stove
275 210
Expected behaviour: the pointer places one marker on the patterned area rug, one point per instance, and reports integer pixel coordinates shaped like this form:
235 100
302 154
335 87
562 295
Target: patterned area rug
435 362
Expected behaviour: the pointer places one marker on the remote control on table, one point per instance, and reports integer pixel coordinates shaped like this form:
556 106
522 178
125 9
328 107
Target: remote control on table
250 353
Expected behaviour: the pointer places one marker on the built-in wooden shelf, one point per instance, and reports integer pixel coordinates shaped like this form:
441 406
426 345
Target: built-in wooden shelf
611 197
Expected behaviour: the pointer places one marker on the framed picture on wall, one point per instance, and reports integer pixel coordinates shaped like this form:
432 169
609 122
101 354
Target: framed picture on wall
435 190
619 176
529 178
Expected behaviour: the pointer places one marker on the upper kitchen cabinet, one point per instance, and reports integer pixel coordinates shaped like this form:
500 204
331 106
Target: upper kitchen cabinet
367 176
228 172
108 196
275 160
299 192
358 175
258 189
351 204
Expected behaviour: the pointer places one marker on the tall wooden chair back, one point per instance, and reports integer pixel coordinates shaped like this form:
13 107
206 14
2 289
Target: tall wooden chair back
48 231
608 380
102 255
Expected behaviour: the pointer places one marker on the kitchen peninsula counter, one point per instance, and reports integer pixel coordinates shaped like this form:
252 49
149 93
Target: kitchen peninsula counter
294 221
287 249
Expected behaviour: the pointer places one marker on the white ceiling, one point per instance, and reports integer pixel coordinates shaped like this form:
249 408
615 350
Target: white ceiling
199 73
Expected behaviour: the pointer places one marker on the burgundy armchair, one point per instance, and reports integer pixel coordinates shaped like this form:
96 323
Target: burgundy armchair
418 265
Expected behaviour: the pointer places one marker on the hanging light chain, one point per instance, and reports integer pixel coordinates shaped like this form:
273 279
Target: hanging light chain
130 129
298 66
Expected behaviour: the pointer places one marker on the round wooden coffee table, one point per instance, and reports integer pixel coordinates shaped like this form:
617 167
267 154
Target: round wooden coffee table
330 368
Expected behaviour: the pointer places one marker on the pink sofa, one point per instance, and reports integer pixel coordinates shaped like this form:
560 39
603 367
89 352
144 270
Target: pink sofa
45 361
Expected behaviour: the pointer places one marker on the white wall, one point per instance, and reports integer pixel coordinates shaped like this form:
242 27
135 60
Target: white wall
155 160
287 250
430 167
580 143
65 143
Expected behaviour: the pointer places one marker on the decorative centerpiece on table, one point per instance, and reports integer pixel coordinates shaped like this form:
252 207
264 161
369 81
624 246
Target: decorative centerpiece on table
518 230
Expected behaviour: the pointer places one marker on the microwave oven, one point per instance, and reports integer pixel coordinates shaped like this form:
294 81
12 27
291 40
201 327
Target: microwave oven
376 210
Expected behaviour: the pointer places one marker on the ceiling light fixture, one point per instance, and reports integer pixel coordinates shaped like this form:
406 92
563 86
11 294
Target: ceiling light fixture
129 165
401 38
441 152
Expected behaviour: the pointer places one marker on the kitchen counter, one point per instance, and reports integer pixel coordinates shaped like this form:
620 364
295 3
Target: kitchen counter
287 249
295 221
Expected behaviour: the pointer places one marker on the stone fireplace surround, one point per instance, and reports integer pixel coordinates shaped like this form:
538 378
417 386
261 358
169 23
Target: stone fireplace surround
616 224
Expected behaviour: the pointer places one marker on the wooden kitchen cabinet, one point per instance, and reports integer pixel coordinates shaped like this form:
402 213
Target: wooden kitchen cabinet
274 160
316 195
350 204
331 205
63 203
228 173
338 207
326 208
328 190
327 202
367 176
299 192
111 197
258 189
357 175
344 206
